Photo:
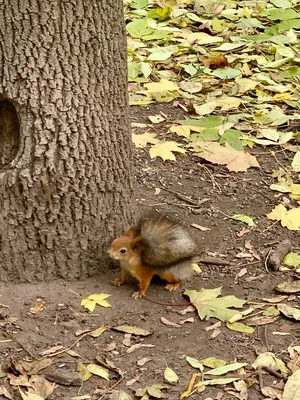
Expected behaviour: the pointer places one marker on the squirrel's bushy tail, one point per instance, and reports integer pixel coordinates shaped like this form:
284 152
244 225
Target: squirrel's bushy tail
163 240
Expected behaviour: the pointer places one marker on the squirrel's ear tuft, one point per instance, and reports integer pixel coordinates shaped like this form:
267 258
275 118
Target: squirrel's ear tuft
132 232
138 243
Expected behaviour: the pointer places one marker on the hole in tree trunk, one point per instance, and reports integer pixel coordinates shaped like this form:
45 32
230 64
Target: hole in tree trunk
9 133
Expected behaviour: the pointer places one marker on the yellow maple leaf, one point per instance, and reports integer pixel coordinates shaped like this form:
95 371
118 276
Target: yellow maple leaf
165 150
288 218
181 130
143 139
162 86
94 299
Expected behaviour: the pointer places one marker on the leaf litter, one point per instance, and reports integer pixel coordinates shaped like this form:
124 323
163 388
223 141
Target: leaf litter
243 63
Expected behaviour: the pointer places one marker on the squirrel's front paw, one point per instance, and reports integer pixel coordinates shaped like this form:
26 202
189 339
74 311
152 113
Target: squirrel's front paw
137 295
172 286
118 282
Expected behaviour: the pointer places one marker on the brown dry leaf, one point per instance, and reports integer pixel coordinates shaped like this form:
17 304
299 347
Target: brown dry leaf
97 332
82 331
32 367
134 330
242 232
38 307
187 320
127 339
4 392
165 321
216 62
138 346
112 346
53 349
144 360
186 310
242 272
215 333
257 321
21 380
271 392
212 327
276 299
41 386
73 353
236 161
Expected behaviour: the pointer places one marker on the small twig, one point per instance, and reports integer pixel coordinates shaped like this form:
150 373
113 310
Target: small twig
266 261
260 378
214 261
266 338
70 347
212 178
181 196
274 373
4 305
24 348
270 227
112 387
161 303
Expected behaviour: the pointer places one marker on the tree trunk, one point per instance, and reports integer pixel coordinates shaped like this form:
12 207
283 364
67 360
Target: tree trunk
65 149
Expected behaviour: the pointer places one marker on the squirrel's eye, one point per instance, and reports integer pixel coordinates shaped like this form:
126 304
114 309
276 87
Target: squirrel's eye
123 251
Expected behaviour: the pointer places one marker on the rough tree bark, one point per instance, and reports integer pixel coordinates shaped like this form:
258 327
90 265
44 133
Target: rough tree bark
65 150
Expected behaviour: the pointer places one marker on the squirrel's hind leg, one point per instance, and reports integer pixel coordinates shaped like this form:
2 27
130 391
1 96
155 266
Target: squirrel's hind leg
173 283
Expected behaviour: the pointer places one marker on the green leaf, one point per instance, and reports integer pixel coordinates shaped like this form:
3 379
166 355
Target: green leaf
226 73
281 15
138 28
232 137
99 371
209 305
212 362
291 389
162 53
292 259
269 359
170 375
296 162
224 369
239 327
220 381
288 311
195 363
244 218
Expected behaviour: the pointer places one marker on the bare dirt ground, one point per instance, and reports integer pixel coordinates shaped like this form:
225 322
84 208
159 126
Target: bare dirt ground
24 335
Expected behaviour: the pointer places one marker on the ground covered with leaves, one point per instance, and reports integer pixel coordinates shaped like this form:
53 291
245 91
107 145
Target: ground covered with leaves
215 117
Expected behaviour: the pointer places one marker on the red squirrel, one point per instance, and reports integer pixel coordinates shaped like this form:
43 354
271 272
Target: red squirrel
156 245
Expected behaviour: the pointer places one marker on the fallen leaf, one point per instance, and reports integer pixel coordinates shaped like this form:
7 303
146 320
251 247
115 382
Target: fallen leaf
30 396
209 305
138 346
165 321
84 373
153 390
41 386
288 218
212 327
97 332
143 361
4 392
53 349
244 218
288 311
165 150
238 327
97 370
95 299
212 362
201 228
292 387
32 367
134 330
269 359
195 363
170 375
225 369
142 140
237 161
288 287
